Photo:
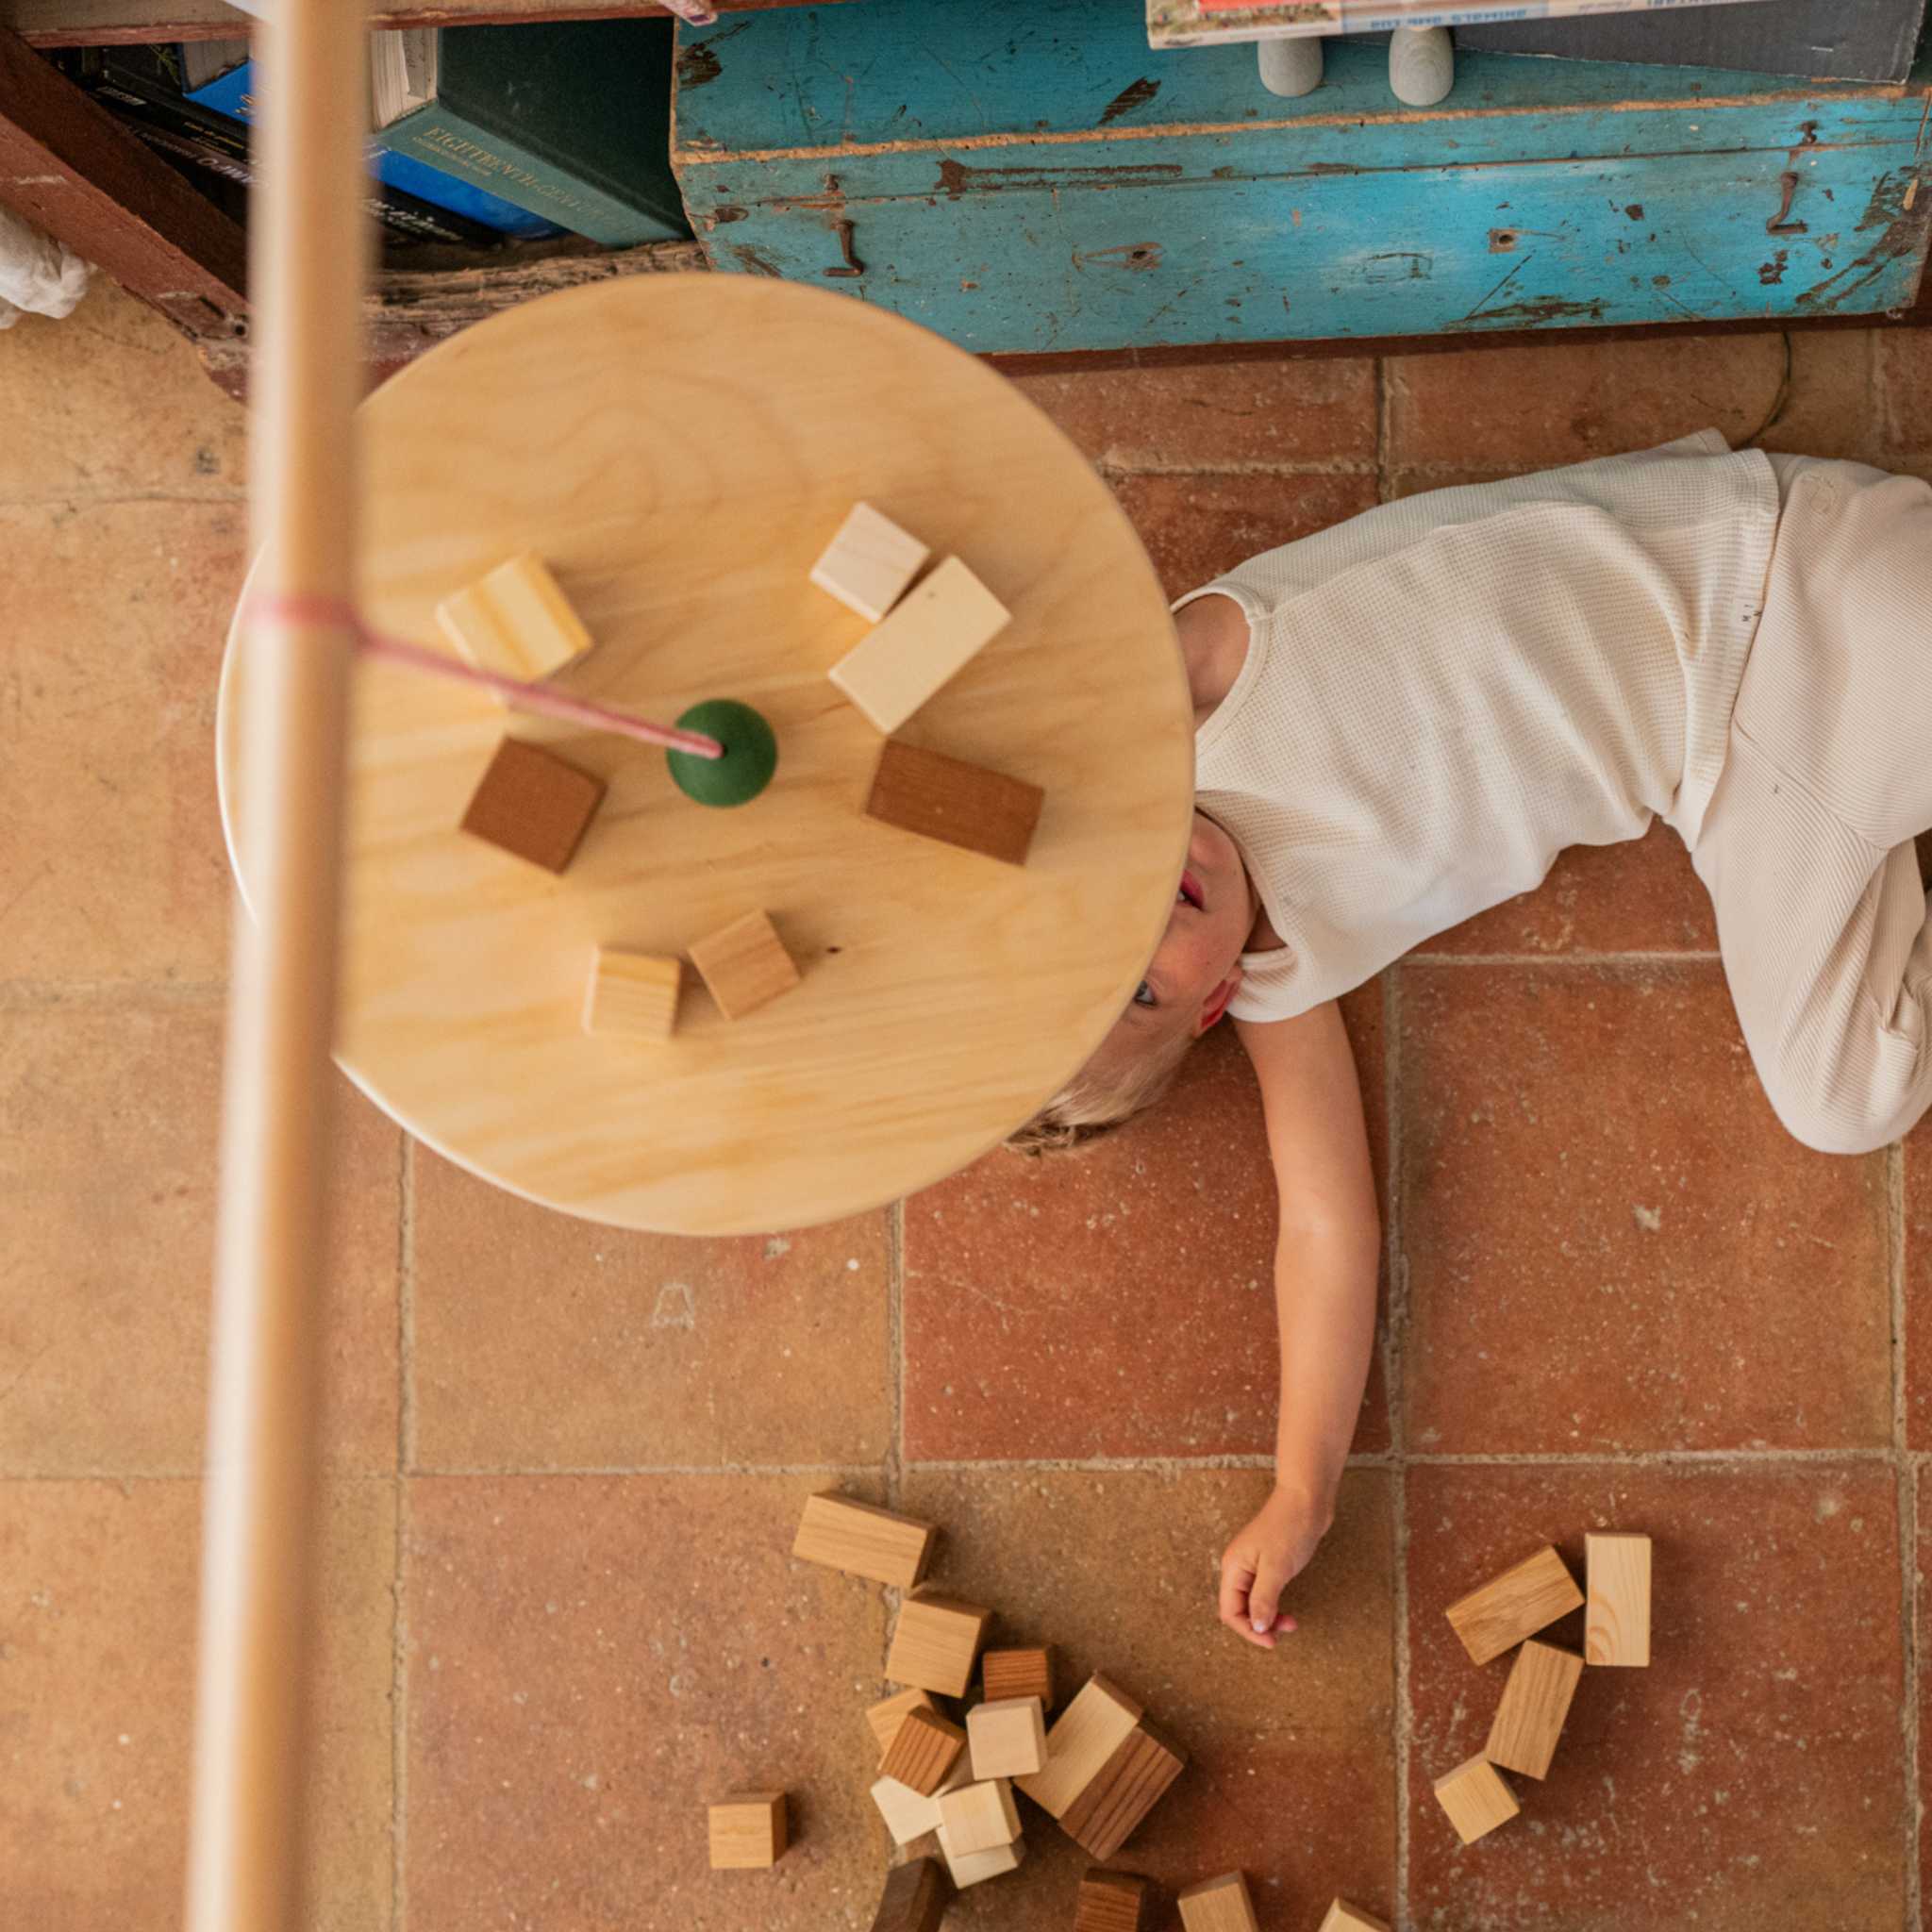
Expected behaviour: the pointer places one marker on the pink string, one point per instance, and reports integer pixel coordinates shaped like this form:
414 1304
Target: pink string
294 607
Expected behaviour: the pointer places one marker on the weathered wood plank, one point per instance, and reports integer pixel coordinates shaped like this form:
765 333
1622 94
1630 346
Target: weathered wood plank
68 166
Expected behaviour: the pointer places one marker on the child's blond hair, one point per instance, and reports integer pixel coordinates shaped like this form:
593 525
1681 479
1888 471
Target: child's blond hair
1110 1089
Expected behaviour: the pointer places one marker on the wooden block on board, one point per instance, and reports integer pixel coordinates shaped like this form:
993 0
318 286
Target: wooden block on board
977 1817
744 966
1018 1673
1616 1626
1092 1728
1218 1904
1515 1605
972 1868
915 1898
1112 1902
923 1749
1006 1739
1536 1700
1344 1917
936 1642
885 1715
937 797
533 805
747 1830
863 1541
934 632
632 996
516 622
1477 1798
869 563
1102 1816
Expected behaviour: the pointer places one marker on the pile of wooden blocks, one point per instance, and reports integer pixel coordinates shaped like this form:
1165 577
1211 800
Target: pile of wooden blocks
1508 1611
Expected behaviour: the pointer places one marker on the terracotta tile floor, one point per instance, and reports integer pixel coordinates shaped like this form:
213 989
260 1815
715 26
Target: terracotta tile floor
564 1462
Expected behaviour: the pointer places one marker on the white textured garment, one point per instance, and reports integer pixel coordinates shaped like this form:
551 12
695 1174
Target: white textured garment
1442 693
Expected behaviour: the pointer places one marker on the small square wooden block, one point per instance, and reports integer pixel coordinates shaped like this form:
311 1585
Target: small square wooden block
516 622
935 1643
1018 1673
533 805
869 563
1477 1798
1344 1917
923 1749
976 1818
1218 1904
947 799
1112 1902
1006 1739
632 996
915 1898
887 1715
744 966
747 1830
972 1868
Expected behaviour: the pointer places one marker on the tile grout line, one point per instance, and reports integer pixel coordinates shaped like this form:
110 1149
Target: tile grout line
1908 1488
406 1455
1401 1714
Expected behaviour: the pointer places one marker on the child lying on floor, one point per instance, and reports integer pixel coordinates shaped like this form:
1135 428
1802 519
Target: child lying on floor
1404 719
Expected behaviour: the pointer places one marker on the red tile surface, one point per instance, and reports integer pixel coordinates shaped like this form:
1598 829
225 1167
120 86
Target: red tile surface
1753 1776
1917 1207
1116 1300
1611 1243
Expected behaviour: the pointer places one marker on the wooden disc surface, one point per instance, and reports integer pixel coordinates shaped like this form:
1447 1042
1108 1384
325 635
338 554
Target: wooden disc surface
679 449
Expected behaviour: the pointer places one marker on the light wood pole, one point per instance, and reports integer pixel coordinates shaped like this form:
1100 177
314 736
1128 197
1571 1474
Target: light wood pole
307 259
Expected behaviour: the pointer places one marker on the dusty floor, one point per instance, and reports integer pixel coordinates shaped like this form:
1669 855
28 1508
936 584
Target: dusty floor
565 1463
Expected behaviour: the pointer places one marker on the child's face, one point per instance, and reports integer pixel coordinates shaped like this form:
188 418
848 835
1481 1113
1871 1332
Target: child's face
1195 970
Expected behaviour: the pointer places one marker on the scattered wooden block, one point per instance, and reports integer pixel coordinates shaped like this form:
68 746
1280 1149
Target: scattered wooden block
863 1541
1515 1605
1006 1739
1344 1917
1616 1626
748 1831
934 632
515 621
884 1716
1005 1675
744 966
936 1642
869 563
1092 1728
923 1749
1104 1815
977 1817
533 805
1112 1902
632 996
937 797
1476 1799
1218 1904
915 1898
910 1814
972 1868
1536 1700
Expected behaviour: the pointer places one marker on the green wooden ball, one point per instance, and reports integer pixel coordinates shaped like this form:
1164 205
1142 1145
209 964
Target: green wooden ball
751 754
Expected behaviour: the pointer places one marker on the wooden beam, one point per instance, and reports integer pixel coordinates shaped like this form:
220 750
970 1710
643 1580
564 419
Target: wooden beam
69 167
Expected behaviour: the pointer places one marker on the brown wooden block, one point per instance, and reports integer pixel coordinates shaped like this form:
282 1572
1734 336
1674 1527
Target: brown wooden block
885 1715
933 632
977 1817
632 996
1477 1798
1092 1728
1006 1739
926 1747
915 1898
1344 1917
926 791
1018 1673
1112 1902
1102 1817
863 1541
1218 1904
744 966
936 1642
870 561
971 1868
533 805
1536 1700
747 1830
1513 1606
1616 1626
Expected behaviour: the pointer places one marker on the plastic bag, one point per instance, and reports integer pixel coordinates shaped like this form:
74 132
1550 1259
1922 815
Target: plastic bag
39 275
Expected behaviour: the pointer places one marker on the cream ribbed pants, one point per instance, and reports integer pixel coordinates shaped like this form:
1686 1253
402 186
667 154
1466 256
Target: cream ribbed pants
1806 846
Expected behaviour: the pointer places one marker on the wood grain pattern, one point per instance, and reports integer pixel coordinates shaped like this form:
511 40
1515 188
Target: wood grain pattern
1616 1623
1092 1728
515 620
744 965
864 1541
978 1817
1120 1795
1218 1904
1535 1701
1018 1671
942 998
886 1716
531 803
1518 1603
924 1752
1006 1737
936 1642
748 1831
974 1867
937 797
632 996
915 1898
1476 1799
869 562
931 636
1112 1902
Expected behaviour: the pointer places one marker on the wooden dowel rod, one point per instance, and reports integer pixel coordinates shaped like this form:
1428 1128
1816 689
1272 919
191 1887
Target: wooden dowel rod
309 264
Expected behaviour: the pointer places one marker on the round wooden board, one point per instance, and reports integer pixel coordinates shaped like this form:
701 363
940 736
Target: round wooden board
679 449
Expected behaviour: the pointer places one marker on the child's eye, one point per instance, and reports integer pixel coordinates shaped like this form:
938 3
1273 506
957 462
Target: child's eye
1144 995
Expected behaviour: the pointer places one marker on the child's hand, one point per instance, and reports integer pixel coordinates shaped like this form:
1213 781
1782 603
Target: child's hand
1263 1559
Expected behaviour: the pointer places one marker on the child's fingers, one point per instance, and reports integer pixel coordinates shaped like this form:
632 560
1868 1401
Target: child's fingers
1237 1578
1271 1578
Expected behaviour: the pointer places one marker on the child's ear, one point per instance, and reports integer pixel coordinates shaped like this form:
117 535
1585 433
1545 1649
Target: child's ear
1214 1008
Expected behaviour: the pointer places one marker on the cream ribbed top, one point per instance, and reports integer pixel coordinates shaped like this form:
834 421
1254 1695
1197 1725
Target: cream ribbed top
1442 693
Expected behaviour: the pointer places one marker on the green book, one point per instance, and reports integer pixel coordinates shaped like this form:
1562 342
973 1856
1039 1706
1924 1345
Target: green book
570 121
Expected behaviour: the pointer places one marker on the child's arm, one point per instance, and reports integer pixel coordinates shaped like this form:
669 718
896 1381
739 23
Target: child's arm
1327 1262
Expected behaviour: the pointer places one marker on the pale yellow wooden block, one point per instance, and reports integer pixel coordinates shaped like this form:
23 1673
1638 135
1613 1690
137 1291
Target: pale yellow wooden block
747 1830
1616 1625
888 1713
632 996
909 1814
1476 1797
1007 1739
935 632
1092 1728
516 622
977 1818
869 562
1218 1904
972 1868
1344 1917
